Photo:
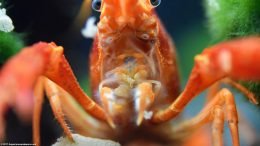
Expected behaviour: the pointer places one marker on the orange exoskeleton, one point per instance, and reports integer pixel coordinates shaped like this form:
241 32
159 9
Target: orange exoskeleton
132 61
134 80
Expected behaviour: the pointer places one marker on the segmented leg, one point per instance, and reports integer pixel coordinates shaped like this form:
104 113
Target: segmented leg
221 106
81 121
108 100
241 88
228 59
2 120
38 100
60 72
3 108
218 127
58 98
54 94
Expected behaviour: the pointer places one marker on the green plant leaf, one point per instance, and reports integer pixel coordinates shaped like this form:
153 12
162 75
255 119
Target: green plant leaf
10 43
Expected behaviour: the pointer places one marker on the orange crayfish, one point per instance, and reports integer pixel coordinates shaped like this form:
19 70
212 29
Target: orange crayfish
134 80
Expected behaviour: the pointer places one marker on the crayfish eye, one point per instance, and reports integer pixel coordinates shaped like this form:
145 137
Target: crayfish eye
96 5
155 3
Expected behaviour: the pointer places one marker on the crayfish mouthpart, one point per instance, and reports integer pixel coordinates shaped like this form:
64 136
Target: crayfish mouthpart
140 118
144 98
110 122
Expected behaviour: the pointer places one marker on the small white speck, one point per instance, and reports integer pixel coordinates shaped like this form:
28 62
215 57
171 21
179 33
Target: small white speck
148 115
90 29
110 96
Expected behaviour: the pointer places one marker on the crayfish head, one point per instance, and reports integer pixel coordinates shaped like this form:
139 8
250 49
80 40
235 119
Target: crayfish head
136 15
125 8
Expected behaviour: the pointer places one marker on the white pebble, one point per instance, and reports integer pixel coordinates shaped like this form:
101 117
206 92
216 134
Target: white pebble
6 23
83 141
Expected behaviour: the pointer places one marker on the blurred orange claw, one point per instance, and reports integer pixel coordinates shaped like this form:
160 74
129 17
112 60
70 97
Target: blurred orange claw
19 75
227 59
17 78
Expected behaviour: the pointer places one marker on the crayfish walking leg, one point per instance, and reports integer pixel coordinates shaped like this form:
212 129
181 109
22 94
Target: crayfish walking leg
221 106
236 59
19 75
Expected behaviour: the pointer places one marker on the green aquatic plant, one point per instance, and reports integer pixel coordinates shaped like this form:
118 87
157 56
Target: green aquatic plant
229 19
10 42
232 18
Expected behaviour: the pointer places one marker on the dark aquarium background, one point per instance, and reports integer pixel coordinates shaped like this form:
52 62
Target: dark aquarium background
54 20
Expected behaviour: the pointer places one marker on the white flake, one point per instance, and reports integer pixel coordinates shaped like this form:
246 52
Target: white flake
148 115
6 23
90 29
